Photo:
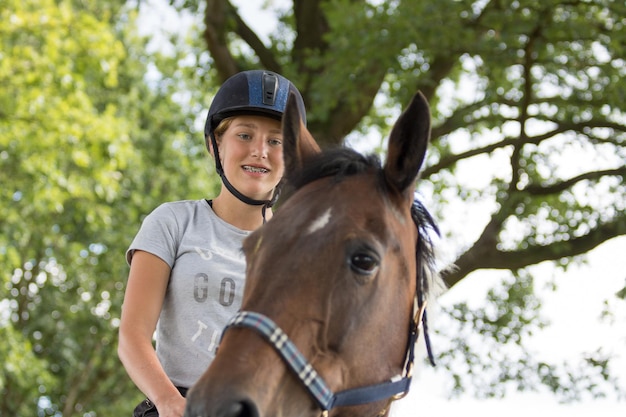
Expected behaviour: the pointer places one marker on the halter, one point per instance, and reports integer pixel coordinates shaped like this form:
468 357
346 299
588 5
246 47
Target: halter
397 387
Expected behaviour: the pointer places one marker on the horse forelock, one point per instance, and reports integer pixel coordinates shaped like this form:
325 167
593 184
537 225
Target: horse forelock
338 163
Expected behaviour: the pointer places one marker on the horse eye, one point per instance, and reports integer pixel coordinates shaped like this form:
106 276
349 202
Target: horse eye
363 263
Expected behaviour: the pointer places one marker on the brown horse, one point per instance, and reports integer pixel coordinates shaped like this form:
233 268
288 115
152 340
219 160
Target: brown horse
335 288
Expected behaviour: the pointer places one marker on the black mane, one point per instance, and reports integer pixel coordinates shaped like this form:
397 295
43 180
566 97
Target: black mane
337 162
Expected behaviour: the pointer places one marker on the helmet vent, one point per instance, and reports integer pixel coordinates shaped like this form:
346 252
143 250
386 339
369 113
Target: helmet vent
270 86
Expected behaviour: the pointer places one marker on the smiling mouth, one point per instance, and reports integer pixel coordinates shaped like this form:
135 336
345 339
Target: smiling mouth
256 170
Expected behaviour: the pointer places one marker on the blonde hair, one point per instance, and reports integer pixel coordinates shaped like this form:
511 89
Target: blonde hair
222 127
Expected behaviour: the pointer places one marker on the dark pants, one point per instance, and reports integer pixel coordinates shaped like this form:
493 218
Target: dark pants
146 408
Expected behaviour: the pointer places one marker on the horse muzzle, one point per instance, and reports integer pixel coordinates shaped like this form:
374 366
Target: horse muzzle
248 379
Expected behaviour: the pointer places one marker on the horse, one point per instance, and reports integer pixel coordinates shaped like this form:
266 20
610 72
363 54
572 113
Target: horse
336 285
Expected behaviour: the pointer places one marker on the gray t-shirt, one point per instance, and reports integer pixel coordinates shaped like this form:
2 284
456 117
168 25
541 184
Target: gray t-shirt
205 286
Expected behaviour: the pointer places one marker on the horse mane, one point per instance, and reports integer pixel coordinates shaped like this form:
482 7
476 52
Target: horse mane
342 162
334 162
430 281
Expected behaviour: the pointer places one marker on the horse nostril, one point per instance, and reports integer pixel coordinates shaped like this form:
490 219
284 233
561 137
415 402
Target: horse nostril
232 408
240 409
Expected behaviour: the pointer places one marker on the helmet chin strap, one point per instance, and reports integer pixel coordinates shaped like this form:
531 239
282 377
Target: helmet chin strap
240 196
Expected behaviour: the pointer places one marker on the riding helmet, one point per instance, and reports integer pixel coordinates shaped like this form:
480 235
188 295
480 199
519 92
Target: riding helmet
255 92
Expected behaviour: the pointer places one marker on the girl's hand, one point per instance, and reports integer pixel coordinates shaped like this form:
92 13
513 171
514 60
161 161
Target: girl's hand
173 407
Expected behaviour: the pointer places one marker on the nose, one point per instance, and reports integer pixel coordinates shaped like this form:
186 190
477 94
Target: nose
225 408
259 148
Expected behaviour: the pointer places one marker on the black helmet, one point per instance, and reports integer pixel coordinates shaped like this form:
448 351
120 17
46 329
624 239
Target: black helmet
257 92
254 92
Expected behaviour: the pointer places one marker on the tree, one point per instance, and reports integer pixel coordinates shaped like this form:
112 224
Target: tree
87 147
519 89
545 75
96 129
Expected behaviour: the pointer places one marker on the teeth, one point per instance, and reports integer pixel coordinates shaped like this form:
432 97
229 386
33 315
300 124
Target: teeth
254 169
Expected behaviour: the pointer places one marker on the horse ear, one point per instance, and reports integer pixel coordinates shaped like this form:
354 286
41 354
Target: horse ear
298 143
407 144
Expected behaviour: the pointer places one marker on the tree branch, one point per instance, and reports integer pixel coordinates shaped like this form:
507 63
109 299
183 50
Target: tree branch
268 61
80 379
563 185
440 68
216 29
311 26
449 160
457 119
486 256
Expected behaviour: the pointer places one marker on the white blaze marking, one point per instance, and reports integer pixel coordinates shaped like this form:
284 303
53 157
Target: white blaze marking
320 222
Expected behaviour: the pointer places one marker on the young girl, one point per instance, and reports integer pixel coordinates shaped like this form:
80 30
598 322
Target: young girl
186 265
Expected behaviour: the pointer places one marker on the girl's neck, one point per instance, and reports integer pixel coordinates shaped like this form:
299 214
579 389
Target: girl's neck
241 215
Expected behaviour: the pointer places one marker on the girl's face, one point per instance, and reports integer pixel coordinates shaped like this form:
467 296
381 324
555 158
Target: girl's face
251 150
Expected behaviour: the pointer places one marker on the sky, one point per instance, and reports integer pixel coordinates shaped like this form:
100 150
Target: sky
573 310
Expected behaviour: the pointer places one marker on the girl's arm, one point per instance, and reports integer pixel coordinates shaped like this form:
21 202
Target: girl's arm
143 300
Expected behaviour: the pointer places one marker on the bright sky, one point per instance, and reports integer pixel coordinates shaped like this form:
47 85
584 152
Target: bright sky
573 310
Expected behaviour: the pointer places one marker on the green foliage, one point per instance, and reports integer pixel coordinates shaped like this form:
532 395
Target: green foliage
527 157
97 129
87 147
24 374
489 354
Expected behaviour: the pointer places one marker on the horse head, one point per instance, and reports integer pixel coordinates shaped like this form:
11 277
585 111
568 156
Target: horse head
335 285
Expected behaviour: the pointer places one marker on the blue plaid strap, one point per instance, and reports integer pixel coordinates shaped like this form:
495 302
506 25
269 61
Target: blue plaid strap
314 383
290 353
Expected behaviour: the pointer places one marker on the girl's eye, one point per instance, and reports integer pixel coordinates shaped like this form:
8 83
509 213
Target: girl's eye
275 142
244 136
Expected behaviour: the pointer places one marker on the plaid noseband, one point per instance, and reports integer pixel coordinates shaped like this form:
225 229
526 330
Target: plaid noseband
309 377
